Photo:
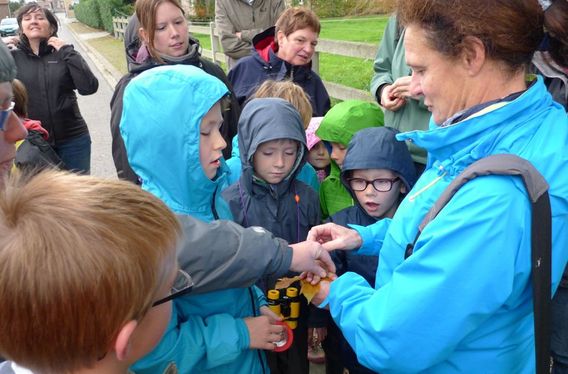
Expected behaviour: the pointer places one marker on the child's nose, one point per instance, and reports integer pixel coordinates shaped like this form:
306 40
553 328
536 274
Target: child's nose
279 161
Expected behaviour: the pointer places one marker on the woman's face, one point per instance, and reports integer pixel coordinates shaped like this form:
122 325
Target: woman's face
436 76
297 48
170 37
36 26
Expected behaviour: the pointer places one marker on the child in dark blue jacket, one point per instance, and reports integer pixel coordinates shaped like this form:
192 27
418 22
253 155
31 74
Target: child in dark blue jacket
272 146
377 171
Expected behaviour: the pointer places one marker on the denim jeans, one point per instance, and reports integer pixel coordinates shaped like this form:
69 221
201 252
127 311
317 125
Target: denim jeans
76 153
559 340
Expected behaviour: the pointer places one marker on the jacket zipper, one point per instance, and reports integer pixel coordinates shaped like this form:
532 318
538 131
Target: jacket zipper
429 185
254 314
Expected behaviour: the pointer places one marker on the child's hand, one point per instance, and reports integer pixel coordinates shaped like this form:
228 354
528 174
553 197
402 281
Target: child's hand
266 311
262 333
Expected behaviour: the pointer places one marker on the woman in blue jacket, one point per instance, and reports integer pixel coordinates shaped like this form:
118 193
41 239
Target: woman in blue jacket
177 153
463 301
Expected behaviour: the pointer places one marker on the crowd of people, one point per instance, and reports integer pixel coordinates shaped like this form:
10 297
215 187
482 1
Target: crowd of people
245 177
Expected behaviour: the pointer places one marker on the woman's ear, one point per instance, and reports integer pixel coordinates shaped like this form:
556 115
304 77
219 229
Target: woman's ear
122 342
280 37
143 35
473 55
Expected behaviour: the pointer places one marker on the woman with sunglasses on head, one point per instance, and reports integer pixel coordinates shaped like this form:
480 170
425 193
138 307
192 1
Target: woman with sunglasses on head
551 62
282 52
163 32
460 299
51 70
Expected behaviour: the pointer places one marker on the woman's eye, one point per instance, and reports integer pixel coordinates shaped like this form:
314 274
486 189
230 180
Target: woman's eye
267 153
205 133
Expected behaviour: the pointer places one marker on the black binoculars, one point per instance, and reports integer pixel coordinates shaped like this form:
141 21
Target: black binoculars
285 302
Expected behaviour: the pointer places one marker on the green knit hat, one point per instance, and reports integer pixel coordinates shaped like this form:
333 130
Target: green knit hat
7 64
346 118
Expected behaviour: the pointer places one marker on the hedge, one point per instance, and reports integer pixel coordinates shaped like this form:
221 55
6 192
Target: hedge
99 13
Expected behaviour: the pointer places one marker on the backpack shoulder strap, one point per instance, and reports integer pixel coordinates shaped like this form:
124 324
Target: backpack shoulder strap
541 242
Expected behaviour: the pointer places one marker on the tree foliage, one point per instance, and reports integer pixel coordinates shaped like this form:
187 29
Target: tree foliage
99 13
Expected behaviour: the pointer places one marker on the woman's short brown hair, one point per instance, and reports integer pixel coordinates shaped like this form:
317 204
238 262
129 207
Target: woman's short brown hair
79 257
556 24
32 7
146 13
290 92
298 18
510 30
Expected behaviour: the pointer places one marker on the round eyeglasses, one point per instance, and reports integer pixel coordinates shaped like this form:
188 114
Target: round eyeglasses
182 286
380 184
4 115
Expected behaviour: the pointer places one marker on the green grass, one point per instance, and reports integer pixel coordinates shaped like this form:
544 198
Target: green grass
204 40
363 29
348 71
113 50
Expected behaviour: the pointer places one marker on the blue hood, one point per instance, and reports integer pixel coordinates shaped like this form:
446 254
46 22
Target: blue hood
163 109
378 148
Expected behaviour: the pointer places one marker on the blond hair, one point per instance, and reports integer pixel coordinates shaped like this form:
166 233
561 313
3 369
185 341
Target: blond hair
79 257
290 92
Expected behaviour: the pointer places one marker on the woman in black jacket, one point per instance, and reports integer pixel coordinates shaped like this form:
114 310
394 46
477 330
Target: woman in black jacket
163 32
52 70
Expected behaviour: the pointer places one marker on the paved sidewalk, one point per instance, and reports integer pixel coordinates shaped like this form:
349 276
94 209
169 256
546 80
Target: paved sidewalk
95 108
108 71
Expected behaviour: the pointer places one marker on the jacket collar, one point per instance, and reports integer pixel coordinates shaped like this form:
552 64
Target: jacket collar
192 58
479 133
44 48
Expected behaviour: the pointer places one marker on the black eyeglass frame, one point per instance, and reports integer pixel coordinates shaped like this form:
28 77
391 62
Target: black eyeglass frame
5 115
367 183
174 295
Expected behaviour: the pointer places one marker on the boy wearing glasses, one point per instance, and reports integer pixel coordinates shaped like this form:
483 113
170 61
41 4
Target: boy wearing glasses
336 129
11 129
378 172
87 269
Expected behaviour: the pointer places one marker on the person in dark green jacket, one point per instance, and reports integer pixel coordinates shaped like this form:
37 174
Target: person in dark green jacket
390 87
337 128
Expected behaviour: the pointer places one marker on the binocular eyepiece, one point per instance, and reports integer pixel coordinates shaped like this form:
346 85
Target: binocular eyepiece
285 302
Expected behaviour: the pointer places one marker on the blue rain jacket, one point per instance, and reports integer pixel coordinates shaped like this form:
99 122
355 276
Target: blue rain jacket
207 333
463 301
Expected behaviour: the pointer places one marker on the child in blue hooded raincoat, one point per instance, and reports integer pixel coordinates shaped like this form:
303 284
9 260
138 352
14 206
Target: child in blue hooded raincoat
166 126
374 157
272 145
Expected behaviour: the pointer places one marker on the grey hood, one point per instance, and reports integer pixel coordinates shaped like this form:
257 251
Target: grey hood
267 119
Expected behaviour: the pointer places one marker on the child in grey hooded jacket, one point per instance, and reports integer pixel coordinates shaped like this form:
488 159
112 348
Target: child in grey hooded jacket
272 145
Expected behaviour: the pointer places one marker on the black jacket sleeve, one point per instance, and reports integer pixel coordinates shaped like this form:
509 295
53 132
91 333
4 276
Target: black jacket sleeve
123 169
83 78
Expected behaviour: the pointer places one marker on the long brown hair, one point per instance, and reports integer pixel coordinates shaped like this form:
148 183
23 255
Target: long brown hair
146 12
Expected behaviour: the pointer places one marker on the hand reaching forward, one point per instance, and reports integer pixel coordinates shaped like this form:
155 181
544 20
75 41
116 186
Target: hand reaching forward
310 256
332 237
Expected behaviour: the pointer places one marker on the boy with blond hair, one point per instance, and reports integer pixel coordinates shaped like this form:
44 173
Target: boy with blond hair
87 268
